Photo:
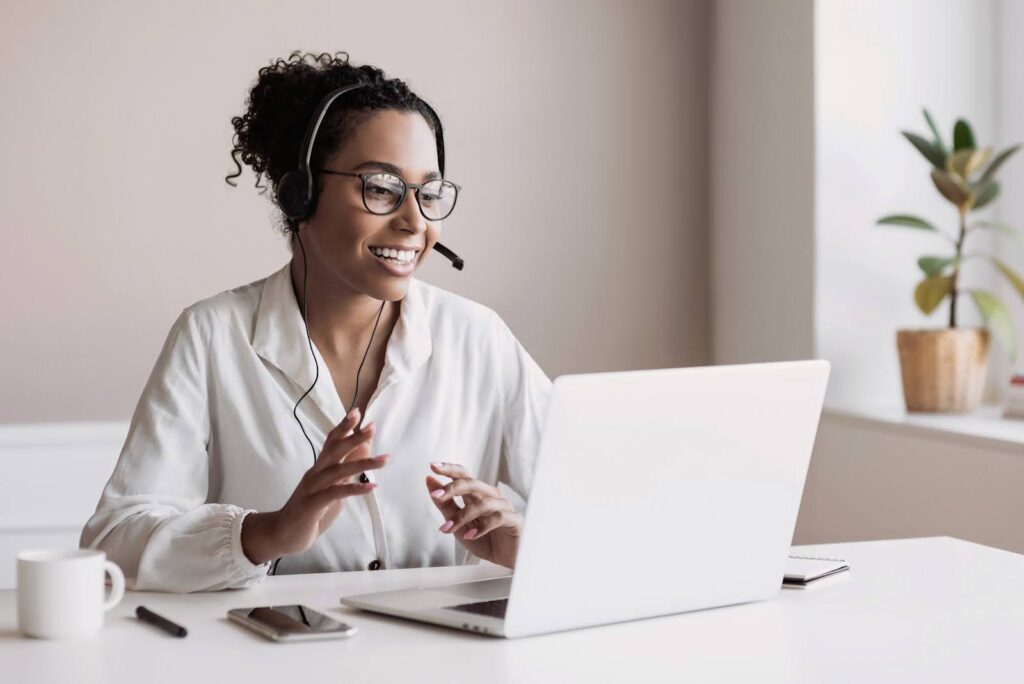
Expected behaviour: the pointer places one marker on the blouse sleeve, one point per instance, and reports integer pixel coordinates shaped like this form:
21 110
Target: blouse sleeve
524 390
152 519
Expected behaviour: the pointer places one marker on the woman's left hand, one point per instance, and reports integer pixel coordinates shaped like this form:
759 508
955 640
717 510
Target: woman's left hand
488 525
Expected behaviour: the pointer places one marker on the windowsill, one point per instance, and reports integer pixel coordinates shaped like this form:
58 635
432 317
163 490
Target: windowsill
983 427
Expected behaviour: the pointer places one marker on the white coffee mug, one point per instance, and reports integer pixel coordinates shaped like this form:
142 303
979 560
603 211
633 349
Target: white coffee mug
61 592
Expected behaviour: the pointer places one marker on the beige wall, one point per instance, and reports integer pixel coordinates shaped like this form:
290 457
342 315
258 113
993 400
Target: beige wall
762 187
115 131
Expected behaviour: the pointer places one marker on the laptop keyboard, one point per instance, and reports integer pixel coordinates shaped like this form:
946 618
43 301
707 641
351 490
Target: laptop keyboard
495 608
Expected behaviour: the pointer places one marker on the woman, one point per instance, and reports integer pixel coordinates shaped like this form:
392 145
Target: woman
251 444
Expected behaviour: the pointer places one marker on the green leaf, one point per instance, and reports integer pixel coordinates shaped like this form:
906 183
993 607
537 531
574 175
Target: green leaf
1010 275
985 194
933 154
998 320
963 136
951 189
931 291
905 220
997 162
937 142
933 265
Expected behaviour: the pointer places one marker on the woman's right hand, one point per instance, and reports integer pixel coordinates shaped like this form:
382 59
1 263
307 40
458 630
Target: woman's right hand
319 496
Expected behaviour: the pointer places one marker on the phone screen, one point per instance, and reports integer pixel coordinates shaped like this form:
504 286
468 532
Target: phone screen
293 619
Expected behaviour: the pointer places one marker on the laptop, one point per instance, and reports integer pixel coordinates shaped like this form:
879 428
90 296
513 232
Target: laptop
655 492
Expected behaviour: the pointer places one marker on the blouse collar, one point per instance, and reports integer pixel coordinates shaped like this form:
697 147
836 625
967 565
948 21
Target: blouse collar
280 338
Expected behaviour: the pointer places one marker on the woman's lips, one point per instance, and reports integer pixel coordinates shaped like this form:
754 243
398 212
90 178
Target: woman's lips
396 268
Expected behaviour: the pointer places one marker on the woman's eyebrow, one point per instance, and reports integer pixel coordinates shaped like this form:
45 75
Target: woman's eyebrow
391 168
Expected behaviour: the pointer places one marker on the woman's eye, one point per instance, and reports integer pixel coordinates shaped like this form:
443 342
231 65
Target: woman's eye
377 190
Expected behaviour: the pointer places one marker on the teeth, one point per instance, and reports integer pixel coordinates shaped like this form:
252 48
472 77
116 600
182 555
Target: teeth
403 255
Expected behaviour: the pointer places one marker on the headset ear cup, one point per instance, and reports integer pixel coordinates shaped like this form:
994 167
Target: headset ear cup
293 195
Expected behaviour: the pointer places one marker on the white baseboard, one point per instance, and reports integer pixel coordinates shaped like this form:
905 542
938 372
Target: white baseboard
53 474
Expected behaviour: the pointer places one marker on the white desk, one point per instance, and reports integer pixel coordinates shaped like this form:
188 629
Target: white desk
936 610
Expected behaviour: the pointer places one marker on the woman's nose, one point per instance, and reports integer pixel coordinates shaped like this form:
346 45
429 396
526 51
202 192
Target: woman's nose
409 213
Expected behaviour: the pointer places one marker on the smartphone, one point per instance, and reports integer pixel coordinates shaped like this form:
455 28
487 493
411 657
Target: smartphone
291 623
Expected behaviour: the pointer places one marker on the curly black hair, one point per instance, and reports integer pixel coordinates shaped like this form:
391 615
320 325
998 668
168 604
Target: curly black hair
283 99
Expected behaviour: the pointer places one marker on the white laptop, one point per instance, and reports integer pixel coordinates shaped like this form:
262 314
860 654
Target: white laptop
655 492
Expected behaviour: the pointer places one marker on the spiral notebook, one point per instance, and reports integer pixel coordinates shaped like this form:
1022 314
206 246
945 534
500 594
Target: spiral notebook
801 571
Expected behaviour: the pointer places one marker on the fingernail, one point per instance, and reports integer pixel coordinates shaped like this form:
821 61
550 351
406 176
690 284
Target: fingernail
369 426
470 534
448 524
353 413
437 493
437 464
369 485
381 458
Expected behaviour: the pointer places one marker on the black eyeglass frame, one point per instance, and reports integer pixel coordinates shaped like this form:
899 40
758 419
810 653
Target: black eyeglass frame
405 190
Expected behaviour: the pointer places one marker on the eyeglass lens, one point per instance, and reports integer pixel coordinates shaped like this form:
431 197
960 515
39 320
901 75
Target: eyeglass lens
382 193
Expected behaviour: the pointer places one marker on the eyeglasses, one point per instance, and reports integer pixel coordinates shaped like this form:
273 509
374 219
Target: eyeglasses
385 192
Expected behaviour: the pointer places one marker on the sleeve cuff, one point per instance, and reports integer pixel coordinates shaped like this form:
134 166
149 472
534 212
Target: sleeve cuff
244 571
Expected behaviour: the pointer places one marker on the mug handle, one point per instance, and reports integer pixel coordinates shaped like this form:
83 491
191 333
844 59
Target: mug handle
116 585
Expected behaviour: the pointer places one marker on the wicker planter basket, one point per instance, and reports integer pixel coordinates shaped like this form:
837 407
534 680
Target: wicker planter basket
943 370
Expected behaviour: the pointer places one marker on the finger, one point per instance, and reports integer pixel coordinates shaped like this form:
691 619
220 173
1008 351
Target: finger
332 459
347 424
456 471
347 427
335 449
339 450
337 437
474 488
341 491
494 521
471 512
448 508
343 472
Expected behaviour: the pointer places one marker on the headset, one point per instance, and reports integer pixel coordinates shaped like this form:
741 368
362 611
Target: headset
297 199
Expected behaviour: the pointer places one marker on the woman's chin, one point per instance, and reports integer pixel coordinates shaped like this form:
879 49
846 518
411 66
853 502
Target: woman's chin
389 289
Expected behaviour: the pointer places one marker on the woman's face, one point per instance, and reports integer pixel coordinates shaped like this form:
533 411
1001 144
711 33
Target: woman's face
339 235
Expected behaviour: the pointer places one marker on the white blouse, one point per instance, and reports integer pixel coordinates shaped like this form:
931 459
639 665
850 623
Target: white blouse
213 438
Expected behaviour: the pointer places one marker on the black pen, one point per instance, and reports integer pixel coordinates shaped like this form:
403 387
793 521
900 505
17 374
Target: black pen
146 615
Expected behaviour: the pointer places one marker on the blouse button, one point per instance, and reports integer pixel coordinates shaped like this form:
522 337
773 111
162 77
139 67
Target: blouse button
374 565
363 478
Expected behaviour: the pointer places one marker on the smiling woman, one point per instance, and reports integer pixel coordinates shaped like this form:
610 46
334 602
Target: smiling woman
214 480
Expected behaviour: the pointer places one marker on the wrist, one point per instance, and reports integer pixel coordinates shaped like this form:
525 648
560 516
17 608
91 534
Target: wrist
259 539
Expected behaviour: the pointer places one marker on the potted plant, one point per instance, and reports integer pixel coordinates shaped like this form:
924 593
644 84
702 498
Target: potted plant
944 369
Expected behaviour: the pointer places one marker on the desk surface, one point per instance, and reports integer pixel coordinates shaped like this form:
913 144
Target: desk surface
934 609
